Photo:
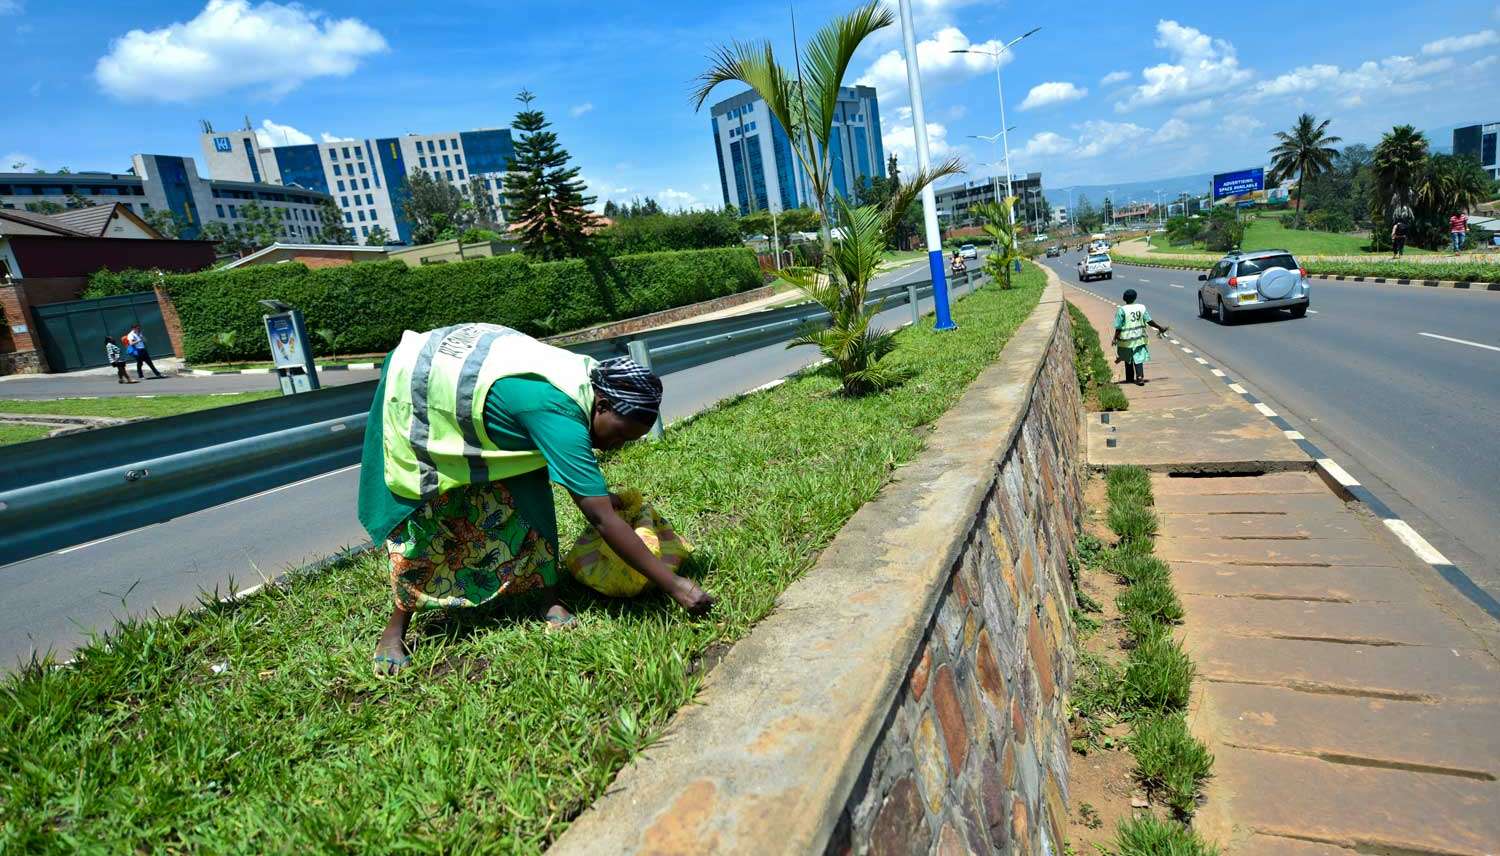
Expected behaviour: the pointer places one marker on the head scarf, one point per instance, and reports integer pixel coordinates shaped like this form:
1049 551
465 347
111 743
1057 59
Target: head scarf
631 390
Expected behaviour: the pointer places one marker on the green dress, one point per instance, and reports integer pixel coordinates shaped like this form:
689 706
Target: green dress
1131 321
472 544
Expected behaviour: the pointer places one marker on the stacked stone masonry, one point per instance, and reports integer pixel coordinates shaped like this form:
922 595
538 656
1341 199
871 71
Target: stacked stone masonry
974 756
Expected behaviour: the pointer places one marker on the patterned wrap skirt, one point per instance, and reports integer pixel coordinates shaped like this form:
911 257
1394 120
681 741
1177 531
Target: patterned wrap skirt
465 548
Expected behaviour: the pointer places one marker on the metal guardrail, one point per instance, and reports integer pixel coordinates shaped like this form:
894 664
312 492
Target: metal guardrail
80 487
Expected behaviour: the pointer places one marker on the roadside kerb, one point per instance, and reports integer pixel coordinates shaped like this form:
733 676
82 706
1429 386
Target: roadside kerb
1345 485
1438 283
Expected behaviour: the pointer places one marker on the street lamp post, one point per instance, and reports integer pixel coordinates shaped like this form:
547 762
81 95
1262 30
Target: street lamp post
943 320
1000 90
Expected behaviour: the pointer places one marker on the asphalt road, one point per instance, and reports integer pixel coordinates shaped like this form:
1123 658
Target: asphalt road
33 387
1414 417
55 601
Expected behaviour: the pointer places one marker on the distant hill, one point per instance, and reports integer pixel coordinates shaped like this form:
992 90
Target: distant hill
1123 192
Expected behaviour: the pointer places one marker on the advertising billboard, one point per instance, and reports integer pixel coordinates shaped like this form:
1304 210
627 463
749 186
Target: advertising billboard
1244 187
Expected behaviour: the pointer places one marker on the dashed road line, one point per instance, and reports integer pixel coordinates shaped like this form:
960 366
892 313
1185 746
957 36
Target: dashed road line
1175 285
1217 373
1264 410
1237 388
1200 361
1460 341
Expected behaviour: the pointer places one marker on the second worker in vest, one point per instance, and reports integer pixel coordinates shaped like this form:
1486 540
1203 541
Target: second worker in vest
1130 338
468 426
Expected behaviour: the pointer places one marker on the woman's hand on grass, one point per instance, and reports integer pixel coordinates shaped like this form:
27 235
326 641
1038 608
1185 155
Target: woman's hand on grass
691 597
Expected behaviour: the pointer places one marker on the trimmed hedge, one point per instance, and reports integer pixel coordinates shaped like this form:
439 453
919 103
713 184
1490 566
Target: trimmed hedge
369 304
1452 271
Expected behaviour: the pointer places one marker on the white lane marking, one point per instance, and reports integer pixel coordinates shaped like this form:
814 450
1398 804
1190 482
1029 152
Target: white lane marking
1147 281
1460 341
1425 551
1237 388
1264 410
1217 373
1339 474
1175 285
95 541
1174 341
1201 361
1312 312
1294 435
1187 350
287 486
244 593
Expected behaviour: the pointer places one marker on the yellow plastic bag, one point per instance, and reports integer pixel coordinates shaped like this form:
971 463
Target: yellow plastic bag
593 563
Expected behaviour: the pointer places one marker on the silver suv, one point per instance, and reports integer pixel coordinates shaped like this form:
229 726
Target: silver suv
1260 280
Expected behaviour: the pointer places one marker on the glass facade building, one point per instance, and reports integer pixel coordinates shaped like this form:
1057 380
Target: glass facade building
758 170
1479 142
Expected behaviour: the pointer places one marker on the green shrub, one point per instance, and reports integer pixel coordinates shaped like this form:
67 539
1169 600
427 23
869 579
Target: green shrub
1169 760
110 283
1111 397
655 233
1158 674
1090 365
1130 478
1147 836
1454 271
1151 598
1136 566
369 304
1132 522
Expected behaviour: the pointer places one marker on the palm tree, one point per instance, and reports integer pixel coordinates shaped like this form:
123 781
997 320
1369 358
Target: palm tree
1001 227
1452 184
1305 152
803 103
856 350
1400 160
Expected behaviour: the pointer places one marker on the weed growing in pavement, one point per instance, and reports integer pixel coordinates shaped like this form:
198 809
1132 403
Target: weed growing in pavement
1132 522
1097 699
1169 759
1135 566
257 726
1093 370
1153 599
1148 836
1158 673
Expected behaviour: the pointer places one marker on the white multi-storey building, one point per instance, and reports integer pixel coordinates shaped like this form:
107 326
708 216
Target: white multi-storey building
367 178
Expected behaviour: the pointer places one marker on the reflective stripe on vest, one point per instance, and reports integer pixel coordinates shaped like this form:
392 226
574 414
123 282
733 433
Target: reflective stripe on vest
1133 326
432 418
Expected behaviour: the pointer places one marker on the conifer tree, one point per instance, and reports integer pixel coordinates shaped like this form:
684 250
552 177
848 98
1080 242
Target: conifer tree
544 199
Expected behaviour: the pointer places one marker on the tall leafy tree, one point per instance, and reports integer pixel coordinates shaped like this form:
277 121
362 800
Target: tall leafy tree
484 214
1085 214
545 200
262 225
431 206
168 223
1305 151
331 228
1399 160
377 237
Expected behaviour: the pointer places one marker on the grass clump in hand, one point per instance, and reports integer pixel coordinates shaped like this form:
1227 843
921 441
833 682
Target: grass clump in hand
1159 674
1147 836
1169 760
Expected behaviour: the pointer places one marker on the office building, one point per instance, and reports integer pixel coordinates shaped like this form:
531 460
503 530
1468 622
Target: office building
1060 215
367 178
955 204
758 170
1478 141
166 183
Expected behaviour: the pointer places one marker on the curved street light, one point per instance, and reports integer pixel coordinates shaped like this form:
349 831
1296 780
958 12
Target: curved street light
1000 90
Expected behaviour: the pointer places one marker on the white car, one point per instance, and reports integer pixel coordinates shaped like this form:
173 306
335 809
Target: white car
1095 266
968 251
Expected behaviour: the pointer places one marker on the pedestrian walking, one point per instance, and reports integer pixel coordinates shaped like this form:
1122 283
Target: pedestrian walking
1131 348
116 358
1458 230
1398 239
135 345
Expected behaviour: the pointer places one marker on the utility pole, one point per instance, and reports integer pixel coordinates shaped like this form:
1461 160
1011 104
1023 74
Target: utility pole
944 320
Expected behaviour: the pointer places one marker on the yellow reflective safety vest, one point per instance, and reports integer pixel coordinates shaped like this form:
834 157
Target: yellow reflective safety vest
432 418
1133 326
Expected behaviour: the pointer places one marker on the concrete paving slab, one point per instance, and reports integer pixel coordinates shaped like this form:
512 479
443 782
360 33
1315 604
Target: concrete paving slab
1345 583
1368 809
1412 623
1205 438
1276 524
1456 739
1392 672
1276 484
1275 845
1253 503
1173 402
1274 551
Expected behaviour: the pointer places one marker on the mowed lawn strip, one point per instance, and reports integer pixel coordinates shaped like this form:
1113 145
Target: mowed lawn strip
257 726
20 432
1269 234
130 407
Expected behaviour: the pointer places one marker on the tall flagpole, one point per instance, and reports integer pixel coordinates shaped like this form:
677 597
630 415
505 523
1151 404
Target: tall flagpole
929 198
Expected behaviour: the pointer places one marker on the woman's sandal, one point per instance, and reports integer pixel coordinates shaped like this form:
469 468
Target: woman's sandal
386 665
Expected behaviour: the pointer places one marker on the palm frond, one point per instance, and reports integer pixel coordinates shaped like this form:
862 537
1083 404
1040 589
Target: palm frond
910 188
828 56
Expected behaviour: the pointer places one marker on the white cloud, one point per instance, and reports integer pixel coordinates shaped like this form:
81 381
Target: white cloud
1052 92
1201 65
1455 44
1172 130
1239 126
333 138
1488 61
671 199
1114 77
1392 75
272 134
232 45
901 140
580 109
12 7
938 63
1099 136
1194 108
1046 143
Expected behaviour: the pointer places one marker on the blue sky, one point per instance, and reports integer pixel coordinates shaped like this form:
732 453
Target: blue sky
1126 91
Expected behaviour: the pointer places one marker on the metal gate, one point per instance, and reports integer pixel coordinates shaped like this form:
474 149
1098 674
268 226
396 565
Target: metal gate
72 333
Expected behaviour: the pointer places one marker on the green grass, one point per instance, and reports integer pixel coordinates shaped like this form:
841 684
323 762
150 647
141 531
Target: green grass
1158 673
1132 522
1089 363
1269 234
12 432
1169 760
902 256
1154 599
130 406
257 726
1148 836
377 359
1451 271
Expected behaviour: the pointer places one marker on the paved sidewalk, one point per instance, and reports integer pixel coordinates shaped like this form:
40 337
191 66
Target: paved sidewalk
1352 704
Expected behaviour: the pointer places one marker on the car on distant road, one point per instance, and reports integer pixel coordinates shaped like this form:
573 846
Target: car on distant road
1054 251
969 251
1095 266
1257 281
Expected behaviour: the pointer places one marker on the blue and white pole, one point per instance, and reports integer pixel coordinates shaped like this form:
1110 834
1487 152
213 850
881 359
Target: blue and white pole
929 200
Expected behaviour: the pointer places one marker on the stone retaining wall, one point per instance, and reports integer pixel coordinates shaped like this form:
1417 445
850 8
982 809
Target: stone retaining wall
907 695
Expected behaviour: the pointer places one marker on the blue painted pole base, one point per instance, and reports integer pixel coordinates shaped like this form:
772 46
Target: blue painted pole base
944 319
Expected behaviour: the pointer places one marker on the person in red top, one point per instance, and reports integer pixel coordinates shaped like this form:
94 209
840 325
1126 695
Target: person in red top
1458 229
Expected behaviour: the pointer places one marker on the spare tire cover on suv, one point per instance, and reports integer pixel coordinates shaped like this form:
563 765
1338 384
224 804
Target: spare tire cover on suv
1277 283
